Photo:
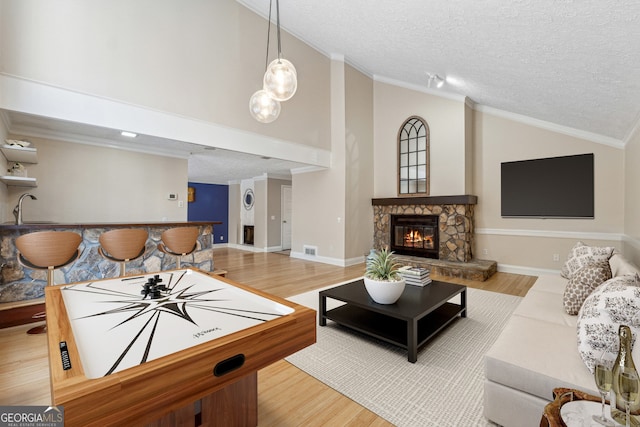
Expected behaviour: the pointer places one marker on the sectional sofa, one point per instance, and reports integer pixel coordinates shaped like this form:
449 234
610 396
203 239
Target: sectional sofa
537 351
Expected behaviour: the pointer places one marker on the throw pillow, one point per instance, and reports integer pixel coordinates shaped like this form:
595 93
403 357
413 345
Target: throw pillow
615 302
581 255
582 283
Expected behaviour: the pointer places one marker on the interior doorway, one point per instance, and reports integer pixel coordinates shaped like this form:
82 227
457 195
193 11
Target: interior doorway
286 198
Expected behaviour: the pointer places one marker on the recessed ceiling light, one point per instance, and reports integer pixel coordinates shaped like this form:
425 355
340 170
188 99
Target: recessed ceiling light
128 134
265 157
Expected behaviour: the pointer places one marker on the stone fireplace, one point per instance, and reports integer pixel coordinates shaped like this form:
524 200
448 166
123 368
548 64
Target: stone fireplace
453 218
455 223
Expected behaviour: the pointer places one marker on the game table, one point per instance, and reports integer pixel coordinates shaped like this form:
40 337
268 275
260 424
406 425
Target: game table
178 347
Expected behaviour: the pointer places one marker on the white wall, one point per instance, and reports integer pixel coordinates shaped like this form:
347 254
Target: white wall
84 183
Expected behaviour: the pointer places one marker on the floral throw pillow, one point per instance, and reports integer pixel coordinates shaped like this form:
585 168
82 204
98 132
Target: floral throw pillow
582 283
582 255
615 302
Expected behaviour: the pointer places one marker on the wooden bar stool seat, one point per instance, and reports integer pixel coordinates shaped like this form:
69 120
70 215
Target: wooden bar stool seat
179 241
123 245
47 250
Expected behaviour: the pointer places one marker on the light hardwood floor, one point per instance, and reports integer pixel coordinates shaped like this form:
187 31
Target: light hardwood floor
287 396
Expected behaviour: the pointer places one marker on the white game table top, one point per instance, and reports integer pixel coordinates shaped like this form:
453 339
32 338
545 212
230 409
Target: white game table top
116 327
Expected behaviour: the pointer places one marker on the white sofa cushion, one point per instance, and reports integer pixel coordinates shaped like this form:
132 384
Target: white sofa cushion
535 357
582 255
615 302
620 266
546 306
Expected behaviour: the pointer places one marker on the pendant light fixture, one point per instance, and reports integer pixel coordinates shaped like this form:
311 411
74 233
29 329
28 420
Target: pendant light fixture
280 80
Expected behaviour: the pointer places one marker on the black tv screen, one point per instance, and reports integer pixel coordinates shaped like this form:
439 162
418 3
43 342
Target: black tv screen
556 187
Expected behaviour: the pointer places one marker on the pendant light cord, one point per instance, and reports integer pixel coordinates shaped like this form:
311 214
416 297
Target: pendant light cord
278 26
266 61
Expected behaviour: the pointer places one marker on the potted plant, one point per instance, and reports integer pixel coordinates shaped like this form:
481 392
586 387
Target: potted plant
382 280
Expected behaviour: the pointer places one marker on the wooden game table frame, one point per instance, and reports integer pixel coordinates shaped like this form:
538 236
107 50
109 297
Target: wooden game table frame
181 388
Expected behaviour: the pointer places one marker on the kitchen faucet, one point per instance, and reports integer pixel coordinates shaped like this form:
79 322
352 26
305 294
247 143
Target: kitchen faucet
17 211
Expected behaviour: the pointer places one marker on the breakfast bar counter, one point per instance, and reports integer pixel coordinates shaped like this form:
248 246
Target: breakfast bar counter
18 283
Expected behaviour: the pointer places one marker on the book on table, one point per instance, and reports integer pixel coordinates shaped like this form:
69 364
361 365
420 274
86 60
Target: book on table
417 276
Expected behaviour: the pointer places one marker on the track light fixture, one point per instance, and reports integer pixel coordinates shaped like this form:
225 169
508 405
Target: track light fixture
434 80
280 80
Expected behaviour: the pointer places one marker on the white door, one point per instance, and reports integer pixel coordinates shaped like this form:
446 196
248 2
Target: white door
286 217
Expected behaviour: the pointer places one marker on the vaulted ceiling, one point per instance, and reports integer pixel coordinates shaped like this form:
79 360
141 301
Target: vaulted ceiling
571 63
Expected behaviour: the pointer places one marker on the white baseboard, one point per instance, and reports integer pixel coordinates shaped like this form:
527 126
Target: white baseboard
326 260
524 270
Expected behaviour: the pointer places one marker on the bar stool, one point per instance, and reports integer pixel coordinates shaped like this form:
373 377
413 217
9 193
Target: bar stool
123 245
47 250
179 241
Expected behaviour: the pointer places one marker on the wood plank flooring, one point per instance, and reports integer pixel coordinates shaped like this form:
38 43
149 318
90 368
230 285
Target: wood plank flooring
287 396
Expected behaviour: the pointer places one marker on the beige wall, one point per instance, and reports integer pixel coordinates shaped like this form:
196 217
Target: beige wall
85 183
359 163
632 198
393 105
203 61
274 212
319 197
498 139
4 192
260 230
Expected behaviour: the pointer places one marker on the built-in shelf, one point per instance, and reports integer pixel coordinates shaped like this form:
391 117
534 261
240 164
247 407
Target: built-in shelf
15 153
19 181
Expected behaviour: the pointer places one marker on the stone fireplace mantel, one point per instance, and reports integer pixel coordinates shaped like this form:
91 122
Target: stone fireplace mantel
456 221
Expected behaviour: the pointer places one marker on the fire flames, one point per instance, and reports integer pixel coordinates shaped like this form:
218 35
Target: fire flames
415 238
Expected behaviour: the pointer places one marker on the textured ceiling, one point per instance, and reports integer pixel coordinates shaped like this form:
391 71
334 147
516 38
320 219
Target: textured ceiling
574 63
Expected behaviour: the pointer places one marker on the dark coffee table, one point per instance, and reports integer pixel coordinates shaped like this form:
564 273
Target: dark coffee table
419 314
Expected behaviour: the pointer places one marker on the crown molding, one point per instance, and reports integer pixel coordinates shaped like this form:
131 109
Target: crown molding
542 124
418 88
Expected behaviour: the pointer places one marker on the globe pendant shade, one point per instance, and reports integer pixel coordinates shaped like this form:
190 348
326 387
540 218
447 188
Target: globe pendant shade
263 107
281 79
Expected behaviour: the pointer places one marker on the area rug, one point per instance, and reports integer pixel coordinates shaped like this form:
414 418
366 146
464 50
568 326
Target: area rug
443 388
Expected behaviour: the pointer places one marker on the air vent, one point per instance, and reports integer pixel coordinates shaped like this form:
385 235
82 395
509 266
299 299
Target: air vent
310 250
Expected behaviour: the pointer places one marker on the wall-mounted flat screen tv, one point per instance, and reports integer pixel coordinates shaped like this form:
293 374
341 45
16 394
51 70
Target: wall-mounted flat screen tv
556 187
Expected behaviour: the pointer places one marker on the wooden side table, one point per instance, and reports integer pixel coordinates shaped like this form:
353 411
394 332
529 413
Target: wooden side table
551 415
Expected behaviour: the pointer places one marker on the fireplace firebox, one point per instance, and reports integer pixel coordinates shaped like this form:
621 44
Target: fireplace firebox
416 235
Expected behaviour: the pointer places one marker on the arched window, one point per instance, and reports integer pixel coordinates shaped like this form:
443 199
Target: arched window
413 157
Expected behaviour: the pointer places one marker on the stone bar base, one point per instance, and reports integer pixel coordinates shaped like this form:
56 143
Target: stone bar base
477 269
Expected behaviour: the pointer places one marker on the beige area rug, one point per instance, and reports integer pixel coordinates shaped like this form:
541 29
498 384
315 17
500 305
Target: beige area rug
443 388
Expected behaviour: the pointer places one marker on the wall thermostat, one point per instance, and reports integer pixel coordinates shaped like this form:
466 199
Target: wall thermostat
172 196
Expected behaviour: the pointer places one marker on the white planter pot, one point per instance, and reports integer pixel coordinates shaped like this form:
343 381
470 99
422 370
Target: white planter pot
384 292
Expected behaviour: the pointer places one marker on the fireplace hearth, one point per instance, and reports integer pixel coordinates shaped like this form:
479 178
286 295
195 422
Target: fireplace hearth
415 235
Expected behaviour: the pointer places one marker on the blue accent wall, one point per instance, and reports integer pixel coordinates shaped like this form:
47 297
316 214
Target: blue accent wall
211 204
